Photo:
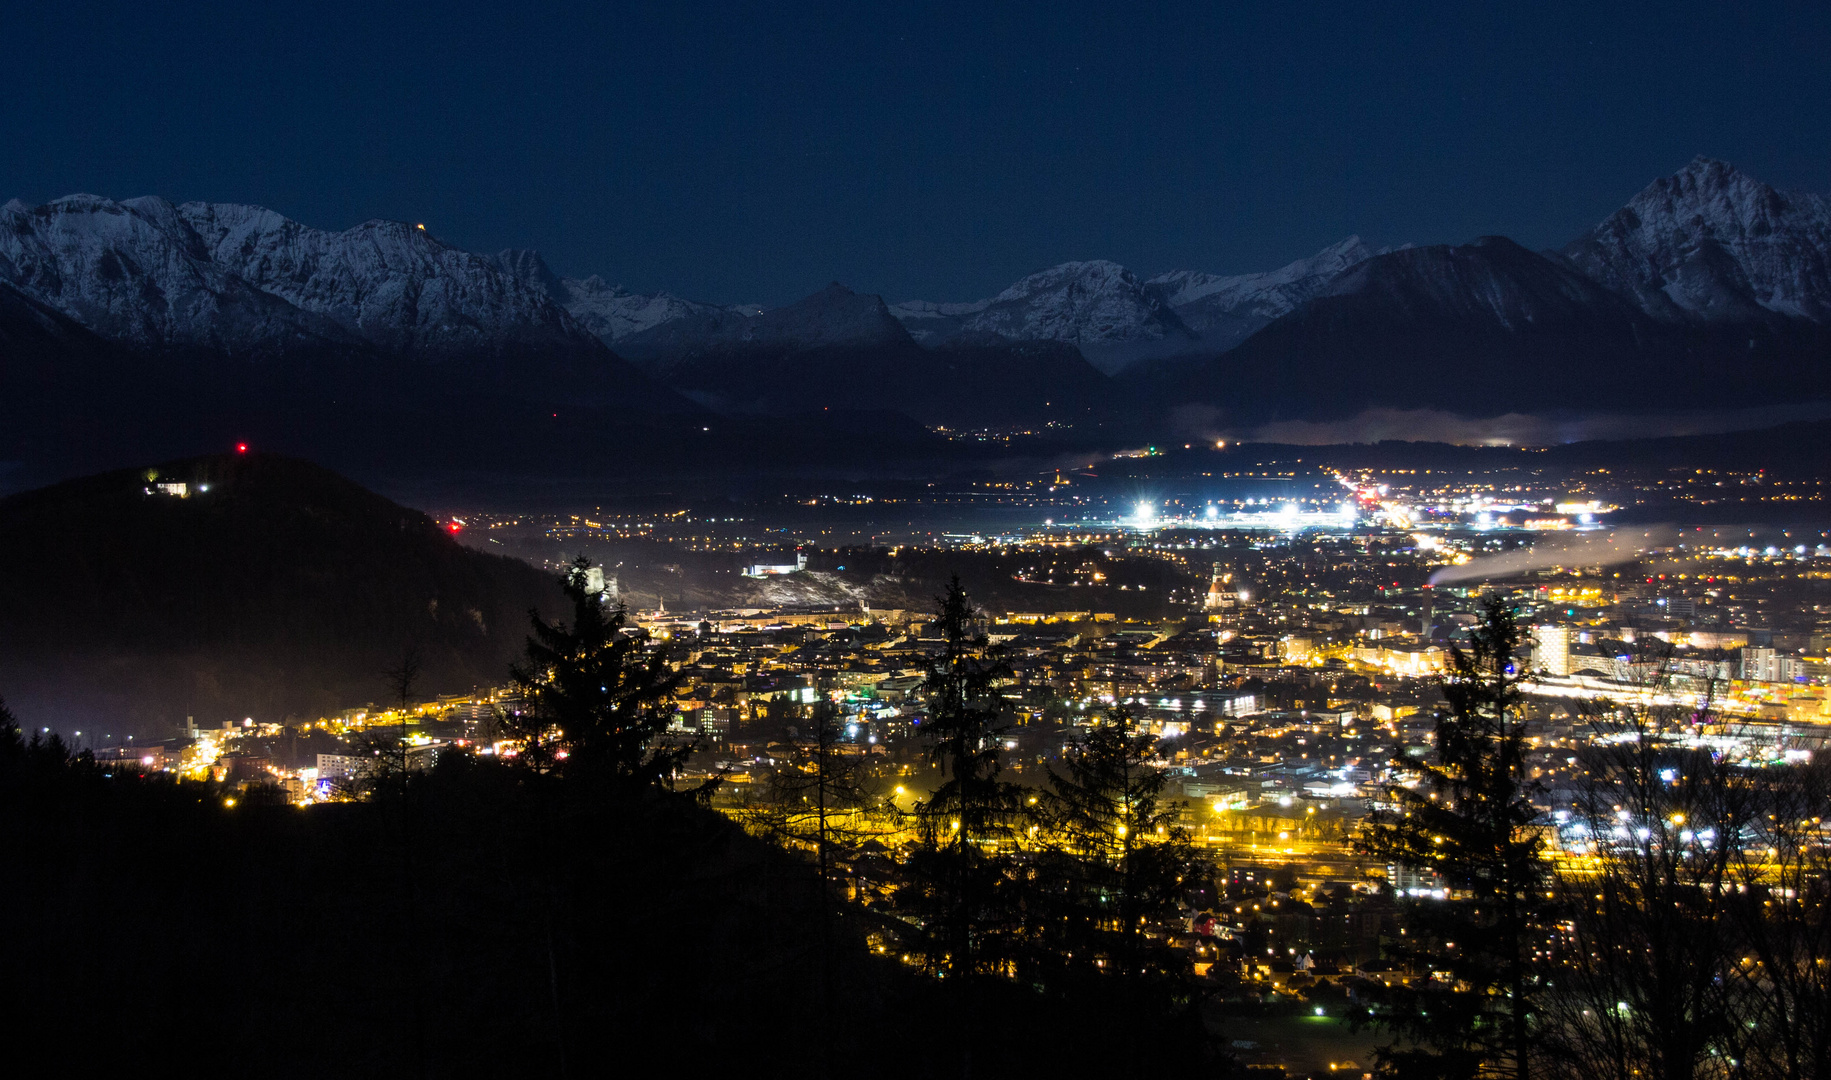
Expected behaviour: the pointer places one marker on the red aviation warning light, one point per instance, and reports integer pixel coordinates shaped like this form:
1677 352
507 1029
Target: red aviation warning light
241 448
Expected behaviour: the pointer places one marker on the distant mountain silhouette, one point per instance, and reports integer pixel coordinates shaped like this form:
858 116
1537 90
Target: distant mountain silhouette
1485 328
844 350
159 328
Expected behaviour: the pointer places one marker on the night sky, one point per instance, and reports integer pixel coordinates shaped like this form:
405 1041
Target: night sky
742 153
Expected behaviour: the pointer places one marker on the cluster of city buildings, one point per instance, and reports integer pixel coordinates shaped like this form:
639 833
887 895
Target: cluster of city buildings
1292 677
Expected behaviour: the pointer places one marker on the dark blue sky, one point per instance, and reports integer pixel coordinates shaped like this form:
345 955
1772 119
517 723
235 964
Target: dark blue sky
743 153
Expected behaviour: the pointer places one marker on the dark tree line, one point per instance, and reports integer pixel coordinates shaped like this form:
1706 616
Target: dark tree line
1055 898
559 913
1472 823
1696 932
565 911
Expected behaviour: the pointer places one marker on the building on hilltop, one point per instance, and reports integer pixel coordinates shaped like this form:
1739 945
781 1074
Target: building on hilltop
763 570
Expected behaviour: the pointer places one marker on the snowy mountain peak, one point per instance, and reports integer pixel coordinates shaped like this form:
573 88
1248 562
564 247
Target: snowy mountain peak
1096 305
1183 287
1092 276
242 278
1227 309
614 313
134 271
1712 244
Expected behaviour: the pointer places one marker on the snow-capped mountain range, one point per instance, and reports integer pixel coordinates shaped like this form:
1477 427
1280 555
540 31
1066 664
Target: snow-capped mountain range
1226 310
1099 307
1712 244
1701 272
1709 245
244 279
611 312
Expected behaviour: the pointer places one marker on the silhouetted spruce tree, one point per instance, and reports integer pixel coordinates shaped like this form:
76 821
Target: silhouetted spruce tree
595 706
1111 862
961 869
386 753
1472 822
818 795
31 765
403 681
822 798
595 700
12 739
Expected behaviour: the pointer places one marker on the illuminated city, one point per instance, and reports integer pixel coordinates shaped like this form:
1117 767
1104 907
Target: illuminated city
1240 542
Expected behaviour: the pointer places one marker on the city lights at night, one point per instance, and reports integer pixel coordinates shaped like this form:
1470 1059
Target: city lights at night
1174 540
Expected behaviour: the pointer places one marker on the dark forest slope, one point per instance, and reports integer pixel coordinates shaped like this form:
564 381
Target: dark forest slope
276 588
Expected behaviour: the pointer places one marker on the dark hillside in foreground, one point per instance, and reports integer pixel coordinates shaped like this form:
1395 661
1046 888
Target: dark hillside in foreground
479 921
456 931
273 588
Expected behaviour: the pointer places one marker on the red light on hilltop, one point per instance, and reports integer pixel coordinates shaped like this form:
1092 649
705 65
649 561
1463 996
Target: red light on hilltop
454 527
241 448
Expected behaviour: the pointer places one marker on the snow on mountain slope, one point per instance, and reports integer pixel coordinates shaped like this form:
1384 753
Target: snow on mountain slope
1712 244
386 281
834 317
135 272
244 279
1098 306
609 311
1485 325
1226 310
1117 320
614 313
1490 282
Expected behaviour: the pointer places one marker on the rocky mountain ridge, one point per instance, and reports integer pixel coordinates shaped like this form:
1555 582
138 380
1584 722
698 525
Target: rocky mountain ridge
1097 306
143 328
1701 276
1226 310
611 312
244 279
1707 245
1712 244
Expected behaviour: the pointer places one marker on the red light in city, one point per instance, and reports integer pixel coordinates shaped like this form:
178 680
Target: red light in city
454 526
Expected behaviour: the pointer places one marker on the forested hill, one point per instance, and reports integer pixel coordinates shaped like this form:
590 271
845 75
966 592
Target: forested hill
270 588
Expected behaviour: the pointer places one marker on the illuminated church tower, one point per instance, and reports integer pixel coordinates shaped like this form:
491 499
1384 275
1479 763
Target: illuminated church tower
1220 593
